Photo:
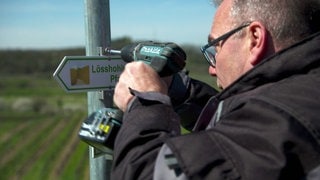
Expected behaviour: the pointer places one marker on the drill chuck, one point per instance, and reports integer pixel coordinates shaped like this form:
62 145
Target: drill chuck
127 52
112 51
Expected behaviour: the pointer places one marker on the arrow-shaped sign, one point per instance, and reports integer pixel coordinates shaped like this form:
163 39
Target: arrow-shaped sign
88 73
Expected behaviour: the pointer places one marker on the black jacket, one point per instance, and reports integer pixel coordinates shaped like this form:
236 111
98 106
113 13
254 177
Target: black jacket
266 125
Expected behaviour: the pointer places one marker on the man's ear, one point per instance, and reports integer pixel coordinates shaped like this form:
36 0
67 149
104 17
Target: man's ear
258 42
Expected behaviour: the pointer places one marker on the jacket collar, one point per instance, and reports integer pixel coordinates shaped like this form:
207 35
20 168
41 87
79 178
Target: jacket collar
296 59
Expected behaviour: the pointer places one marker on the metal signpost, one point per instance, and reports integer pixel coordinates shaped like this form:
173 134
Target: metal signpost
97 28
94 74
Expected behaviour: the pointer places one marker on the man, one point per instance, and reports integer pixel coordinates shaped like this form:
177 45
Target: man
265 122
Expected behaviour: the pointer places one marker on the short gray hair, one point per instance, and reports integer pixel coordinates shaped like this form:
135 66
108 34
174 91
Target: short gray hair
287 21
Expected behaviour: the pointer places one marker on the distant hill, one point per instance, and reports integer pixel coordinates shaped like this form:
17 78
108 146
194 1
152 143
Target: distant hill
33 62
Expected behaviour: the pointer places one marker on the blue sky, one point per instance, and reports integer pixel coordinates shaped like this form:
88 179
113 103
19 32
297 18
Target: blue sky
41 24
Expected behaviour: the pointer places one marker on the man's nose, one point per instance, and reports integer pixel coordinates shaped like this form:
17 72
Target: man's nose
212 71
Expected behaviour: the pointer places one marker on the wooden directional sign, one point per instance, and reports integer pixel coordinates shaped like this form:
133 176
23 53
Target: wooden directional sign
89 73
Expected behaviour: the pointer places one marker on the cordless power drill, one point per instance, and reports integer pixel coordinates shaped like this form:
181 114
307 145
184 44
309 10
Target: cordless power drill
101 127
165 58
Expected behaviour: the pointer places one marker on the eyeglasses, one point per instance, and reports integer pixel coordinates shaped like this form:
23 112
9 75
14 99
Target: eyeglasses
209 50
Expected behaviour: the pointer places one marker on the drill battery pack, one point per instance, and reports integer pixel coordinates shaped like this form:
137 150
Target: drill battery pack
100 129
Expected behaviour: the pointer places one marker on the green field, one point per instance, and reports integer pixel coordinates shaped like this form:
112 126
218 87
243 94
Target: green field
38 130
39 121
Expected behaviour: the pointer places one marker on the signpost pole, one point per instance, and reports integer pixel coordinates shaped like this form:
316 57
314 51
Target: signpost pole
97 28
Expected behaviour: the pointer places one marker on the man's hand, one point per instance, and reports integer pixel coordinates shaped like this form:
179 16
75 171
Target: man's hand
140 77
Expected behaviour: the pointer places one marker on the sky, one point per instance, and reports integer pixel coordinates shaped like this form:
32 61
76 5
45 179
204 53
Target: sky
44 24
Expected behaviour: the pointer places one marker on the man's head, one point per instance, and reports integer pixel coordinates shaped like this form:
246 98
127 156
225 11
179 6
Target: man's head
272 26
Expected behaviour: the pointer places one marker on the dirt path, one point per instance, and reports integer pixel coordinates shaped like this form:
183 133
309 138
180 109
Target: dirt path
65 154
10 155
26 166
10 133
